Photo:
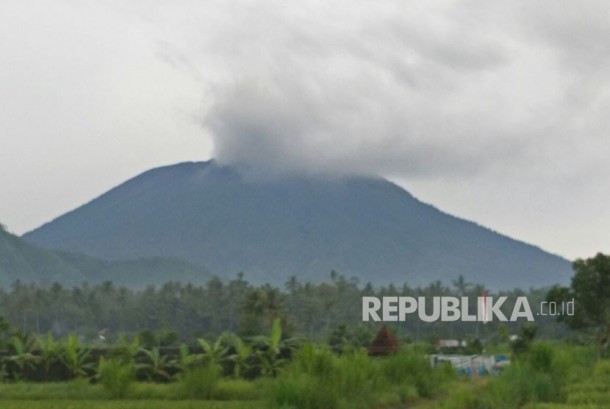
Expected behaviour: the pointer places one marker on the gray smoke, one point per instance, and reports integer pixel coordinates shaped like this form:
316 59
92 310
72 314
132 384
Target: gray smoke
405 88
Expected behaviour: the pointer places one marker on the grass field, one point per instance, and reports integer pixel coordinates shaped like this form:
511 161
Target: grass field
226 390
548 377
81 395
125 404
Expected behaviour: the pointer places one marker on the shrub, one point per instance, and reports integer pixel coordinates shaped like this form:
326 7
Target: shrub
200 382
116 376
411 367
462 397
302 392
520 384
602 369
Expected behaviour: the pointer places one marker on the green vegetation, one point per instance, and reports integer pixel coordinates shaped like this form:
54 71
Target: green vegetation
543 375
317 378
20 260
175 312
144 404
590 288
589 392
116 376
276 370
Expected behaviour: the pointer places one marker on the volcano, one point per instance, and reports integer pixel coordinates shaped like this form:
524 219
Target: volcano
221 218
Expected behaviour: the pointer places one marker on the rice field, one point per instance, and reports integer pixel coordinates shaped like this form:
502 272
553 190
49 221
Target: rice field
124 404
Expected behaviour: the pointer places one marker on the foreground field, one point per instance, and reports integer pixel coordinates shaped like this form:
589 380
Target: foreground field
546 376
124 404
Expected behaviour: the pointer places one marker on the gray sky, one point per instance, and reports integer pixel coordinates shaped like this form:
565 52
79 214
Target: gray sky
497 112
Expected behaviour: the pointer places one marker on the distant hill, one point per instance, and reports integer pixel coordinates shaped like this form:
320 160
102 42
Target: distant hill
217 217
20 260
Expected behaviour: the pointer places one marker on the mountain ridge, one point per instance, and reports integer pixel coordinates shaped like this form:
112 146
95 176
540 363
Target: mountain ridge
28 263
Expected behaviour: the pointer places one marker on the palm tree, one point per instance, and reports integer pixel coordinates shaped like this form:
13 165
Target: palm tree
264 305
461 285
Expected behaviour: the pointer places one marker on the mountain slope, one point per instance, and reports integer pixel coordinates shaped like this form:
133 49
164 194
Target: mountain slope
20 260
365 227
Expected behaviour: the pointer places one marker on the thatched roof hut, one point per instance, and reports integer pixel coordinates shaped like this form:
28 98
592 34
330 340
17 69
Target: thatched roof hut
385 342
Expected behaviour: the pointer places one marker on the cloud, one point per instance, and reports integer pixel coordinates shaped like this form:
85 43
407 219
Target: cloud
495 111
427 89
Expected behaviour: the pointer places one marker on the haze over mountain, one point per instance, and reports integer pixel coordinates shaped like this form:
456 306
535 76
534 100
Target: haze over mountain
218 217
20 260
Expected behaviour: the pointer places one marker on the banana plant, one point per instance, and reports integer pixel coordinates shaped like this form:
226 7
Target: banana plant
75 356
49 352
126 350
186 360
213 353
268 351
240 356
21 347
156 367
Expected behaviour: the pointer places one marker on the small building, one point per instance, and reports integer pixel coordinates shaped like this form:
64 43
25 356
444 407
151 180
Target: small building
450 343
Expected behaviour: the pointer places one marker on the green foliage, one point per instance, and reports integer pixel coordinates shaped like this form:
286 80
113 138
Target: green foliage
541 357
49 352
176 311
23 261
518 385
75 357
589 288
601 370
237 389
200 382
303 393
347 339
213 353
317 378
116 376
156 367
127 404
268 349
21 347
522 344
415 368
186 360
241 355
124 349
462 396
545 373
311 381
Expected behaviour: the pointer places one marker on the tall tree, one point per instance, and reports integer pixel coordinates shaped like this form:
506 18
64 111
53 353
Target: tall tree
590 289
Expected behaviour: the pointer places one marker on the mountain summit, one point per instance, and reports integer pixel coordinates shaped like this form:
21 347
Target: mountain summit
217 217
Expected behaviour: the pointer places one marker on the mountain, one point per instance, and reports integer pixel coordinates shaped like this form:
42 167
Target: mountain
219 217
20 260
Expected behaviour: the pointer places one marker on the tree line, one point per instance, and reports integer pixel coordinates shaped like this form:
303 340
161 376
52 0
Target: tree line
182 311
